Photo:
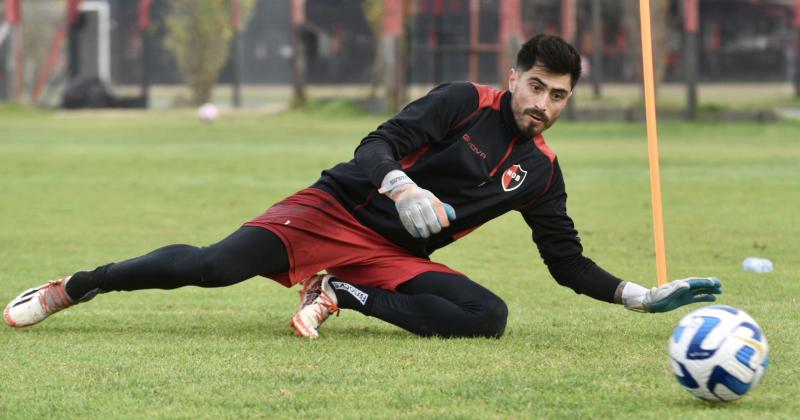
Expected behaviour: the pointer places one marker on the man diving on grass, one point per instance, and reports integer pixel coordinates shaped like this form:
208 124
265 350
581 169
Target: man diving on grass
449 162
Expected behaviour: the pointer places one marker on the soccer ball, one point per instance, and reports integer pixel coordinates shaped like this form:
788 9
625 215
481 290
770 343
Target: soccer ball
208 112
718 353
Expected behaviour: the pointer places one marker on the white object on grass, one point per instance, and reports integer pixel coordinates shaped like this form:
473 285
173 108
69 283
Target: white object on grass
208 112
758 265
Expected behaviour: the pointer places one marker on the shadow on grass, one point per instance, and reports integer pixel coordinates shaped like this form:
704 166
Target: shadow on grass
690 402
173 329
196 330
368 332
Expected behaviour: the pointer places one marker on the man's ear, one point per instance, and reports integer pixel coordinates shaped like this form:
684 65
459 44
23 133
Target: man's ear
512 79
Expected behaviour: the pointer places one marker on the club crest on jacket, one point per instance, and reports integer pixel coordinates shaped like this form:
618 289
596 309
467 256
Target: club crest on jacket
513 177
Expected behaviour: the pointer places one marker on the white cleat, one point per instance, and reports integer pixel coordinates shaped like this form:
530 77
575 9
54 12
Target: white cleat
34 305
317 303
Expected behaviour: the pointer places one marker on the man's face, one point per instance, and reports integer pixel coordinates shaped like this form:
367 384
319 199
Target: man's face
537 98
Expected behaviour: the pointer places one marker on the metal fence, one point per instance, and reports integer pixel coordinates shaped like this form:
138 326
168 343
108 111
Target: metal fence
739 40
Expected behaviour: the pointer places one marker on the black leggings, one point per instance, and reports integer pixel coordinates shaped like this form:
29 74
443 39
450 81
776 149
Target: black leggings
246 253
439 304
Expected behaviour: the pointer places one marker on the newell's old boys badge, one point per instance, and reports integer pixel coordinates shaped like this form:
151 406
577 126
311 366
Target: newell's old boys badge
513 177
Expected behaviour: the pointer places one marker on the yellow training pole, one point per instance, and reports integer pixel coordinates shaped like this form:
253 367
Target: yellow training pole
652 141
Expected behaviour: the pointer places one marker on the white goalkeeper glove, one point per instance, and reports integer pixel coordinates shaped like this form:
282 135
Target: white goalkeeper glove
671 295
421 213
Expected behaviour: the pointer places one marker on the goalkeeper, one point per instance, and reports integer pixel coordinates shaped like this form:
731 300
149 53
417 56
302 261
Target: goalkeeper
449 162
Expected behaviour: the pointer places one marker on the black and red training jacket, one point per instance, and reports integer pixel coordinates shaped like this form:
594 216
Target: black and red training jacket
461 142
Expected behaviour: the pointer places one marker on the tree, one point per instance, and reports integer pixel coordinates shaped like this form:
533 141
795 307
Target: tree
373 13
659 16
200 34
386 20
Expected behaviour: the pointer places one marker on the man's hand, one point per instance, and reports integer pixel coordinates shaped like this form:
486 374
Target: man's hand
671 295
421 213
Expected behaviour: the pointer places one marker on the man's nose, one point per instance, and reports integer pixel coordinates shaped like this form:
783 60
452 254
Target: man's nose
540 103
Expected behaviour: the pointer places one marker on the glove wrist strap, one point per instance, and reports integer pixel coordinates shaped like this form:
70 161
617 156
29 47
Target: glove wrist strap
393 180
634 296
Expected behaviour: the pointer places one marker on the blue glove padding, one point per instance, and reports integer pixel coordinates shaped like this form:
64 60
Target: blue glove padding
674 294
421 213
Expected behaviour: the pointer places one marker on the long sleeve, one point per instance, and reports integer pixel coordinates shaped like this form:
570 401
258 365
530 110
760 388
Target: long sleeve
427 120
375 159
560 247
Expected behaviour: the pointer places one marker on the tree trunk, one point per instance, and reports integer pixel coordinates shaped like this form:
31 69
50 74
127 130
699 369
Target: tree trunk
690 14
659 11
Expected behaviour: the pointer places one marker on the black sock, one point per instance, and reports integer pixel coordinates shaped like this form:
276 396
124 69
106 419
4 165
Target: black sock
350 296
85 284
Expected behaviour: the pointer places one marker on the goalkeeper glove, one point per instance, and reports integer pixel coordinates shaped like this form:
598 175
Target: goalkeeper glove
671 295
421 213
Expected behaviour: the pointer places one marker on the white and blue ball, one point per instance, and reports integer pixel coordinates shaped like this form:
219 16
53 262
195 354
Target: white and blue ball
718 353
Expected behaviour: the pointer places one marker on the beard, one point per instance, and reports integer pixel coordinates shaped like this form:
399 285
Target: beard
531 127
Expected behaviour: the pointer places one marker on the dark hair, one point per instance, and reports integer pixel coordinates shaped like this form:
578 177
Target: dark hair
551 52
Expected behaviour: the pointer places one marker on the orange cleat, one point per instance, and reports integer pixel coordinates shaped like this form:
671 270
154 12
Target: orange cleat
317 303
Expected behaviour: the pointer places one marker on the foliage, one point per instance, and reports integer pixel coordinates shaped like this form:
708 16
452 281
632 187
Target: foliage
40 23
200 34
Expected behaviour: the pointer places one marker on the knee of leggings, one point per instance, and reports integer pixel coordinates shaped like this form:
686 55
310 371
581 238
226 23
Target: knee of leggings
214 270
495 316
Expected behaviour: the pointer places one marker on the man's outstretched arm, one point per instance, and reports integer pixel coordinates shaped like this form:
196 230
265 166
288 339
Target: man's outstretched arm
560 247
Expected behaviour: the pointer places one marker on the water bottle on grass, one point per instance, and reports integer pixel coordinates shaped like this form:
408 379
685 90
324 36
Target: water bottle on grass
757 265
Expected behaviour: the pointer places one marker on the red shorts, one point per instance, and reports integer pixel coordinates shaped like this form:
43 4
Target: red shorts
319 234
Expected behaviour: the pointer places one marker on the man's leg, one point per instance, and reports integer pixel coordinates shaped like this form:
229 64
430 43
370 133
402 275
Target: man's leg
248 252
431 304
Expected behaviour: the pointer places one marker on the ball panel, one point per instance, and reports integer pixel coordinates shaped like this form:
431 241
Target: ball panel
696 350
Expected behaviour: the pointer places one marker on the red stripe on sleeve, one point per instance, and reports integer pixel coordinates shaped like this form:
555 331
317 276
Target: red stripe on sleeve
411 159
544 148
488 96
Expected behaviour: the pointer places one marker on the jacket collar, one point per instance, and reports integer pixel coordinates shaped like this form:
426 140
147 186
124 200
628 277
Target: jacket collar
509 123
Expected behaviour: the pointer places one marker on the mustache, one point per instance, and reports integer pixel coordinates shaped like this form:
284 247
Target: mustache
538 114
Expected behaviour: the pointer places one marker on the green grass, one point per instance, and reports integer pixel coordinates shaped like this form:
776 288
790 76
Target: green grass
83 189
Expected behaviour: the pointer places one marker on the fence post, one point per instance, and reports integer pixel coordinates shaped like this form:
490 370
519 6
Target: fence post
691 18
796 26
236 55
597 48
298 54
568 33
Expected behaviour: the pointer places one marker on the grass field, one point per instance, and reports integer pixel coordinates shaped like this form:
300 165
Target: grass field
79 190
671 96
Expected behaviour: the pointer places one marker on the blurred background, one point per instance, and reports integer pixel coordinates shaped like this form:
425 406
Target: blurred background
719 59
